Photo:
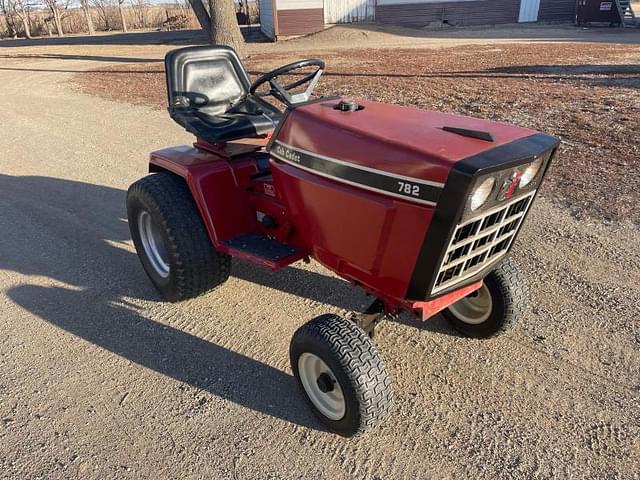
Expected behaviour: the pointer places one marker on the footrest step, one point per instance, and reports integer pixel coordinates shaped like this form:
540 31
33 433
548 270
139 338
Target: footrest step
265 250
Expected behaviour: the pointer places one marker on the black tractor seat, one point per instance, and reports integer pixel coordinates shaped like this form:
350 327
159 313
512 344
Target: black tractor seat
208 90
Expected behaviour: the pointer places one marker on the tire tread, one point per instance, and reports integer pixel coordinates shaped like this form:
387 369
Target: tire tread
510 287
361 362
200 267
515 292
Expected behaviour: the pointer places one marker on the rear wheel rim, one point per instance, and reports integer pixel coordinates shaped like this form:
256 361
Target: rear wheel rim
153 244
475 308
321 386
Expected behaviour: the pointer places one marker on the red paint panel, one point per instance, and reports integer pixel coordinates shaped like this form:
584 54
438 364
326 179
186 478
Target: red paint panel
400 140
369 238
366 237
227 199
300 21
225 208
430 308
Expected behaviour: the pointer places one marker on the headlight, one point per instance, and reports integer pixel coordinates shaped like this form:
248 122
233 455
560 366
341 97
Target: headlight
481 193
530 172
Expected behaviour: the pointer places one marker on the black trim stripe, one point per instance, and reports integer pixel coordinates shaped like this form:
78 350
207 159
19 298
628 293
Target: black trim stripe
406 188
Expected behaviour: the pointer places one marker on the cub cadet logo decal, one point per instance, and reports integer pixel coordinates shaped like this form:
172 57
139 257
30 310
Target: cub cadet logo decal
287 153
412 189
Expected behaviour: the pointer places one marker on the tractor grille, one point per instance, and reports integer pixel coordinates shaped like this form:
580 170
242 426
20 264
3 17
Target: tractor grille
480 241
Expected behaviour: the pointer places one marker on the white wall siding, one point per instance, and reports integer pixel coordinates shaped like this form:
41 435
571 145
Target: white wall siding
266 18
298 4
349 11
529 10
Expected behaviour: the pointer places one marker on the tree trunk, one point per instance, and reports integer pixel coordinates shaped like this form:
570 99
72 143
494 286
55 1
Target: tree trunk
48 27
87 15
58 21
224 26
122 20
202 15
11 27
27 29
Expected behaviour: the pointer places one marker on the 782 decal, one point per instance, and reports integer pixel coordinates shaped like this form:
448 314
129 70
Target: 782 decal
407 188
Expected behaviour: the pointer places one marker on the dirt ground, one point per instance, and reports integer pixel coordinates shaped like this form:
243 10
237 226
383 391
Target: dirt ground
101 379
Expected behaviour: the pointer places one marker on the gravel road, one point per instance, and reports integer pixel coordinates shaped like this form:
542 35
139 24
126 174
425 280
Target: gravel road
101 379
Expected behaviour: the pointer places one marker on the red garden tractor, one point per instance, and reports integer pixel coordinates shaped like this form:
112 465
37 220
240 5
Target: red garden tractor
418 208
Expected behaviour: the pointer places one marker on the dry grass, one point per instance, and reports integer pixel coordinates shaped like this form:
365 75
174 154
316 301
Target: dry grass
586 94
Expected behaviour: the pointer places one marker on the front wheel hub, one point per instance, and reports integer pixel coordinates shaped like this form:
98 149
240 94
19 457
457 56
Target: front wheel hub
321 386
475 308
325 383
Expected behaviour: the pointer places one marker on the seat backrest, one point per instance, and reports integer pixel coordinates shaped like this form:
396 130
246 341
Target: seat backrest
209 78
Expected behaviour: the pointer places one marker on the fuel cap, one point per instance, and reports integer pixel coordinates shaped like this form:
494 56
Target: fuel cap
347 106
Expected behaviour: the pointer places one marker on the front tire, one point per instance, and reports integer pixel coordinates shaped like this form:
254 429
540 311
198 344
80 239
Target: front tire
171 239
341 375
493 309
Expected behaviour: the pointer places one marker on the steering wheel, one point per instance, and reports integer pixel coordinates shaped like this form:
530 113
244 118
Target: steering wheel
282 92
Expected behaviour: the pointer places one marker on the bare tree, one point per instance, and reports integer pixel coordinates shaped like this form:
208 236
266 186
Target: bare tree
103 7
56 7
221 25
139 10
47 25
9 18
18 9
219 22
87 14
224 25
22 8
202 15
123 21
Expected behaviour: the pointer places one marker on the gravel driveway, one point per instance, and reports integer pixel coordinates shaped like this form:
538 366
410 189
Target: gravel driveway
101 379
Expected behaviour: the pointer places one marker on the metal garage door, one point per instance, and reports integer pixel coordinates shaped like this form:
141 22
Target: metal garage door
349 11
529 10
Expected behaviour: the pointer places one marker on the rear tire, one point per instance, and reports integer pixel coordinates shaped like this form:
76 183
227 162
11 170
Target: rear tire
493 309
171 240
341 375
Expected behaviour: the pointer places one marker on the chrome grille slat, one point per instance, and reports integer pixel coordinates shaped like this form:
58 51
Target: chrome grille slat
481 240
484 233
479 251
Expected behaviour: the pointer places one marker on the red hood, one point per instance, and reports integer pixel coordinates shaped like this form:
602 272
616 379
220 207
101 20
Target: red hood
400 140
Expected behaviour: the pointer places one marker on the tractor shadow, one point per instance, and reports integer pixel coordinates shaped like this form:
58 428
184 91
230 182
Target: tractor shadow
120 329
328 290
76 235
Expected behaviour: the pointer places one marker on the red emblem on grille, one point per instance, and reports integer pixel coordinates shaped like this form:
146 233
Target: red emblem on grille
511 185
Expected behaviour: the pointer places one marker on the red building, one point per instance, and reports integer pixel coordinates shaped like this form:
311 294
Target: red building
284 18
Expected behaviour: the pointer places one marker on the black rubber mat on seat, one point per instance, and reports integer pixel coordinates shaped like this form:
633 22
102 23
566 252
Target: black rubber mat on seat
261 246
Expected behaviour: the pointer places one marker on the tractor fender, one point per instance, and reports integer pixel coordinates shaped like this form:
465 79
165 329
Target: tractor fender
224 208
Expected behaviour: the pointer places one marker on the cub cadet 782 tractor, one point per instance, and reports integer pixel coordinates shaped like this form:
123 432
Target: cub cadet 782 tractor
418 208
